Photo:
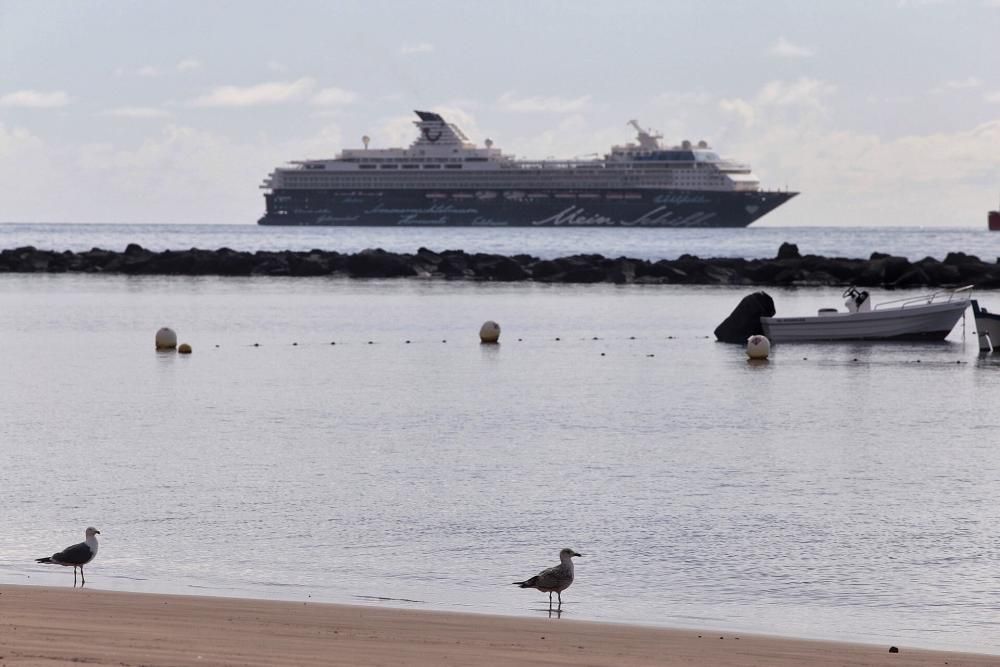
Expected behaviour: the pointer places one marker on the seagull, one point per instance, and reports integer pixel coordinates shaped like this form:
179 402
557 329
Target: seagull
554 579
77 555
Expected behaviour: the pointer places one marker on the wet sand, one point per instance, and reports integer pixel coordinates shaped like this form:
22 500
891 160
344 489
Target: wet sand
51 626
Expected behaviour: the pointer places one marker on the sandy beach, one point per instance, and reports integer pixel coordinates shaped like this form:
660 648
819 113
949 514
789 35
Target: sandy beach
47 626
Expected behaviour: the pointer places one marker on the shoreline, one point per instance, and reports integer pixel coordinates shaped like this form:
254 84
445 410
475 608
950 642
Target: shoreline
42 625
787 269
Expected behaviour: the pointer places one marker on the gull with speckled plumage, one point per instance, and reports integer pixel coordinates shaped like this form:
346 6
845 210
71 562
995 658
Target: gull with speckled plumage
555 579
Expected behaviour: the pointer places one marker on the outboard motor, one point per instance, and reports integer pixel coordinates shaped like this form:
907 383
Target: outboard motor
744 321
857 302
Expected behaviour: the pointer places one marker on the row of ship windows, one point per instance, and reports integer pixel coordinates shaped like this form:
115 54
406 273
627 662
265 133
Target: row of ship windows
450 165
532 173
493 182
393 161
512 186
347 180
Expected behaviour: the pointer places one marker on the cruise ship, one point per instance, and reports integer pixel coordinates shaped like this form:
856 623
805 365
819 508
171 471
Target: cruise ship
443 179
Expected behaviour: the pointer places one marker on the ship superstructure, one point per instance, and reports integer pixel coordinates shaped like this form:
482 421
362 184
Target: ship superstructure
445 179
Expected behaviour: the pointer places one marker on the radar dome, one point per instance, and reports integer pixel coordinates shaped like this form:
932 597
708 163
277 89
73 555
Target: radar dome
365 140
489 143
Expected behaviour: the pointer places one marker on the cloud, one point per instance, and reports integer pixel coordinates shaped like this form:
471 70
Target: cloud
14 140
958 84
34 99
334 97
141 178
188 65
136 112
992 98
786 49
147 71
851 176
968 82
801 95
802 92
261 94
740 108
419 47
682 99
510 102
275 66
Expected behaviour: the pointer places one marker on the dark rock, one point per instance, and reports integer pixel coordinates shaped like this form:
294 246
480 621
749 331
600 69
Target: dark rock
584 274
666 271
693 269
271 264
791 270
622 272
765 273
788 251
912 278
719 275
893 269
232 263
816 279
167 262
939 273
843 270
960 258
544 269
500 268
378 264
455 264
428 256
893 649
313 264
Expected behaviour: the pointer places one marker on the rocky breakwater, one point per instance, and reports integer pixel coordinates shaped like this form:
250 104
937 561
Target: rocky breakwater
787 268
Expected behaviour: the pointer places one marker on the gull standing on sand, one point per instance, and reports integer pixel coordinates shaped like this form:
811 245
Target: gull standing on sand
77 555
554 579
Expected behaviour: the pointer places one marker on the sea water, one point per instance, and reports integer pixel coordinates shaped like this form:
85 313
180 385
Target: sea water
546 243
351 441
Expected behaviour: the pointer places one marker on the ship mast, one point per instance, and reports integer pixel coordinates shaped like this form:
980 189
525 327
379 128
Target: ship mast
649 139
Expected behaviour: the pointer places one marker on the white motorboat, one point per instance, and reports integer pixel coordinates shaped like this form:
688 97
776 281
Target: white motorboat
987 327
925 317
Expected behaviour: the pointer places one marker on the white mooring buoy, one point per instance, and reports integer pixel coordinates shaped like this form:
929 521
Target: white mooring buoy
489 332
758 347
166 339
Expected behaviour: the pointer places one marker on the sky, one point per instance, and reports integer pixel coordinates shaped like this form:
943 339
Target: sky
880 112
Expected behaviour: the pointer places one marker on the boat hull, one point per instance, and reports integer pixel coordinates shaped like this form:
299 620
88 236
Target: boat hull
987 328
918 322
527 208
